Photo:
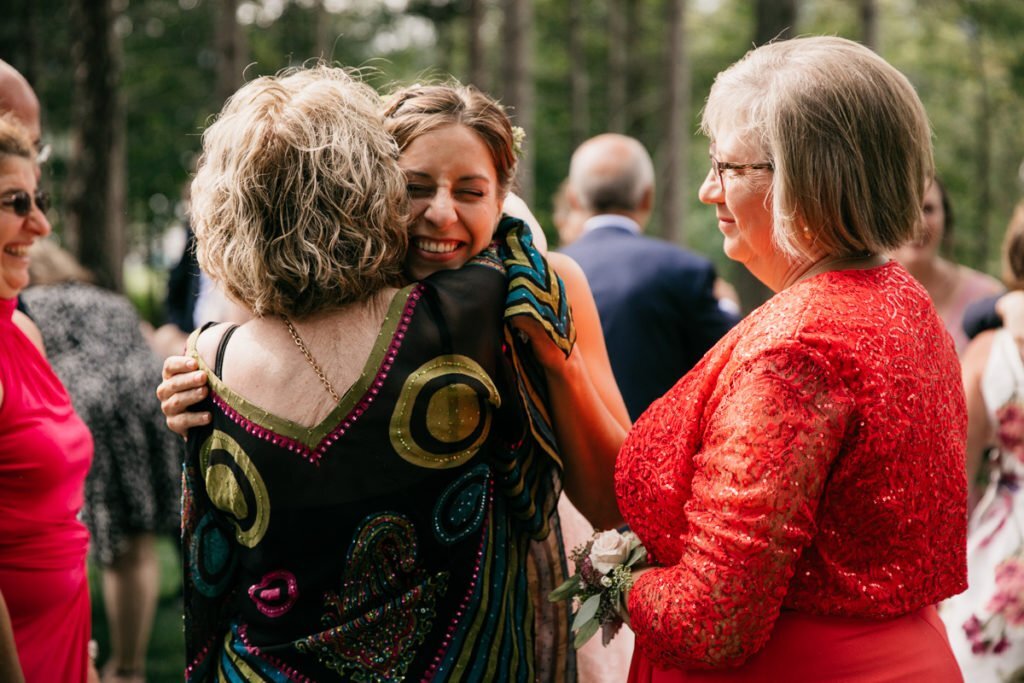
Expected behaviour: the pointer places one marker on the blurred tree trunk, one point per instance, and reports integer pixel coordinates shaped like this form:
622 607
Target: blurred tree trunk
477 56
20 47
95 219
869 23
636 83
579 107
230 48
775 19
982 145
323 47
517 80
618 63
675 146
444 47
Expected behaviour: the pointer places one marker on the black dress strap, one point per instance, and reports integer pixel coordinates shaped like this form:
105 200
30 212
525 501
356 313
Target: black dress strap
222 346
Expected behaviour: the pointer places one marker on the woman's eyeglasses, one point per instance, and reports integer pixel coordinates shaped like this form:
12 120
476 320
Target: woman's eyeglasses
20 201
719 166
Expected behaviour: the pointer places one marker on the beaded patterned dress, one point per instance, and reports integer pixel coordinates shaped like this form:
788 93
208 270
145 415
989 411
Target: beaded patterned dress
811 466
394 540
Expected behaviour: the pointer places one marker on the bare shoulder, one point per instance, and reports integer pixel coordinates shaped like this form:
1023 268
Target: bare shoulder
208 341
976 354
983 282
30 330
568 269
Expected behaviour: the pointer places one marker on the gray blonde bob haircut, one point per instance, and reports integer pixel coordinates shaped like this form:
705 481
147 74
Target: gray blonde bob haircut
298 203
848 137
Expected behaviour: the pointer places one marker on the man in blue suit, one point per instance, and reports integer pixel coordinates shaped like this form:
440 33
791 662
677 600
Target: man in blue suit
656 301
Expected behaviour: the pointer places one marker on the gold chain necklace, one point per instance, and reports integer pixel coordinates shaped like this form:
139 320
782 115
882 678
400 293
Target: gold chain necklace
309 359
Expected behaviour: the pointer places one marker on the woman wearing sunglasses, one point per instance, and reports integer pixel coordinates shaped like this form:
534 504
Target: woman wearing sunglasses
45 452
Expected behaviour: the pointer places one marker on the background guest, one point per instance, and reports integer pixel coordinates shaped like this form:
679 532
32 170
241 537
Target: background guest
45 452
568 220
765 483
979 620
18 99
133 491
657 304
953 287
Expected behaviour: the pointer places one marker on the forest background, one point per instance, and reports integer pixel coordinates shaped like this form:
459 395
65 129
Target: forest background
127 87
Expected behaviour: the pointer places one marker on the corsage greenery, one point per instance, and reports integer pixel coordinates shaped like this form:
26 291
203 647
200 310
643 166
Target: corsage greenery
602 581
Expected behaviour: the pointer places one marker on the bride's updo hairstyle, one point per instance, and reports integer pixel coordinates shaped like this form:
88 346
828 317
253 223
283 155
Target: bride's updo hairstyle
420 109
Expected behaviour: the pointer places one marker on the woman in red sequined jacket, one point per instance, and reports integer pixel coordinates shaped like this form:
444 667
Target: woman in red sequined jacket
802 490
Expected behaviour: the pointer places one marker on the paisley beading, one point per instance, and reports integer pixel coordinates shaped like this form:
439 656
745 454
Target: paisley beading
460 509
385 607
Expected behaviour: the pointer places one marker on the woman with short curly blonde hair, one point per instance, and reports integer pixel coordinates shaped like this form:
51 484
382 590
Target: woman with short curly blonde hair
318 523
298 203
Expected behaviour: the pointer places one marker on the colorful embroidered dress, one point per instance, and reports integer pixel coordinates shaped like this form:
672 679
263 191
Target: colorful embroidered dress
45 451
394 540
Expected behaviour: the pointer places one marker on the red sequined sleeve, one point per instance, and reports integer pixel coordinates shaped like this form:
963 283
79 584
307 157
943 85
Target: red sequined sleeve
757 479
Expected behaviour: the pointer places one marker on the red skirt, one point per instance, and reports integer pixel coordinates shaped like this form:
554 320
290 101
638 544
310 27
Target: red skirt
805 649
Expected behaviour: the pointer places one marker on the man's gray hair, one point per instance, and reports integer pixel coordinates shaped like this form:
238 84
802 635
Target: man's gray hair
611 173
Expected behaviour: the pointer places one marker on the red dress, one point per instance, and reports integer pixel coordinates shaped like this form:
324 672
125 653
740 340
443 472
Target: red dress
45 451
803 489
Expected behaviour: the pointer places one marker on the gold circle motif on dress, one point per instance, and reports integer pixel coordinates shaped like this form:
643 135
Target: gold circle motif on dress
235 487
443 415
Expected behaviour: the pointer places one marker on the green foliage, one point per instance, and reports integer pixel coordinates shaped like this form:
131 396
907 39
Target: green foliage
962 55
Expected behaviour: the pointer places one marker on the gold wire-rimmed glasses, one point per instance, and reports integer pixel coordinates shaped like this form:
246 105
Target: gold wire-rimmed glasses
719 166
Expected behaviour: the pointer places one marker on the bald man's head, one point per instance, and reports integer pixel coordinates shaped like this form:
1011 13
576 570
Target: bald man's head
612 173
17 97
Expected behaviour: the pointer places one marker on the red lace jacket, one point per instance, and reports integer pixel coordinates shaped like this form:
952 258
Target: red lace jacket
813 461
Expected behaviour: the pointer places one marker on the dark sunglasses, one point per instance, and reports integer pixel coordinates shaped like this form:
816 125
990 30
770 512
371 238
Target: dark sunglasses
21 202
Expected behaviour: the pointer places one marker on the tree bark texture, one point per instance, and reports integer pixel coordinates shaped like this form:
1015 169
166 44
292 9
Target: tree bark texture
517 77
477 56
869 23
230 48
775 20
95 189
618 64
579 105
672 178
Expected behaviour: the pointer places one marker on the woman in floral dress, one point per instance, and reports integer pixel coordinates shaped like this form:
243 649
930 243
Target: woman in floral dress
986 623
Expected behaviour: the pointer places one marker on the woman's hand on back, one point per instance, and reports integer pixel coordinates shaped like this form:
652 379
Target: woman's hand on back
183 386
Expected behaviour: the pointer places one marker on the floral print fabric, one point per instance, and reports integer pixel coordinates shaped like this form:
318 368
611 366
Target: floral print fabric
986 622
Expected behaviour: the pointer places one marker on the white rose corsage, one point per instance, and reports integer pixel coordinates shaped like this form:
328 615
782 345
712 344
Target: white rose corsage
603 578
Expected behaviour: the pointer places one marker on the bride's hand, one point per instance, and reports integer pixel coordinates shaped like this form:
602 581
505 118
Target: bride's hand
183 385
